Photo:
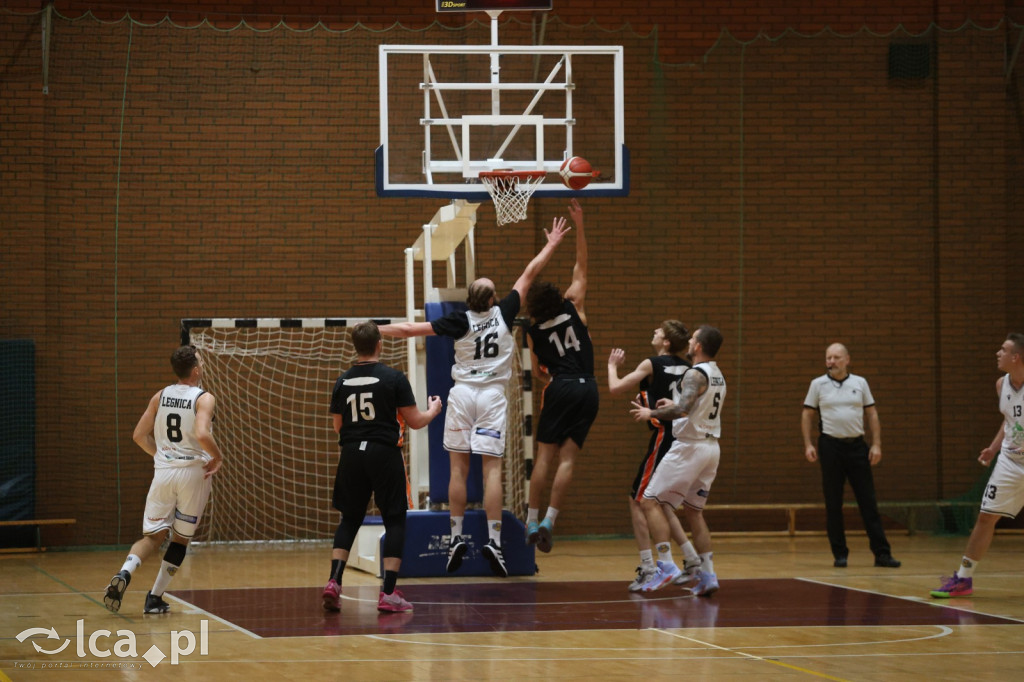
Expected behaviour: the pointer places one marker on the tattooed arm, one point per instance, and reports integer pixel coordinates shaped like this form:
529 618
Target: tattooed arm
694 384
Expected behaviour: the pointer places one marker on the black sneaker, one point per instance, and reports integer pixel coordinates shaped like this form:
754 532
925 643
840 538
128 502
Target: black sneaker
456 550
497 559
840 562
155 604
886 561
115 591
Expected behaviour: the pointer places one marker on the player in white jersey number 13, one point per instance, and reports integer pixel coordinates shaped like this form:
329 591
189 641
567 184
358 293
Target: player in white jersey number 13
1004 493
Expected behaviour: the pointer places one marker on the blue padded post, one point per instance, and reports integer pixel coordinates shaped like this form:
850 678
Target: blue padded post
440 358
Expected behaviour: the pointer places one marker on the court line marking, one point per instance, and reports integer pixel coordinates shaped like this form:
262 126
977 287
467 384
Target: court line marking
915 599
448 659
534 604
754 657
943 632
213 616
80 593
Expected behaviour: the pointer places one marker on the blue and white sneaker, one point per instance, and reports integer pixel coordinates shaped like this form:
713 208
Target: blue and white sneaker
707 584
665 574
545 541
532 534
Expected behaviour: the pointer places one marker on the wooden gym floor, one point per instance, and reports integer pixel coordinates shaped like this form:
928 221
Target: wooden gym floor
783 613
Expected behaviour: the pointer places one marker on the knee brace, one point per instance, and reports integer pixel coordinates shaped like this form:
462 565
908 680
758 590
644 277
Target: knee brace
175 553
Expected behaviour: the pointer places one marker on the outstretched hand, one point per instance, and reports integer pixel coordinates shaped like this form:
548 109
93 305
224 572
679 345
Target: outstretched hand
617 357
576 212
558 231
639 412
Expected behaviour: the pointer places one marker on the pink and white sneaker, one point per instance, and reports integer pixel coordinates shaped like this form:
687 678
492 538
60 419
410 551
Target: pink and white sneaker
331 596
393 603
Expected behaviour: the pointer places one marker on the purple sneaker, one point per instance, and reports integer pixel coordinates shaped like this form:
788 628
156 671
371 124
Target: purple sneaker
954 586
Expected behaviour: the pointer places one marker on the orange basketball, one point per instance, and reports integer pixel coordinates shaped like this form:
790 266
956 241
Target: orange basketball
576 172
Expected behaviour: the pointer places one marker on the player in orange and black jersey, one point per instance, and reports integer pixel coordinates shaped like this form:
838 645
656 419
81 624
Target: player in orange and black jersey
657 377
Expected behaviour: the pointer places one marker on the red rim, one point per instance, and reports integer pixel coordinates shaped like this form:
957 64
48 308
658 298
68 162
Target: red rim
505 173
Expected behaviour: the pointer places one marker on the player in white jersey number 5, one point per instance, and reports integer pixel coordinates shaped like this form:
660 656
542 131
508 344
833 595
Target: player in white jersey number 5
685 474
175 430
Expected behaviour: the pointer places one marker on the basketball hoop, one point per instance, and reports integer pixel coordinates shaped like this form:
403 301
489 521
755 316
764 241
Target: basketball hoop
511 191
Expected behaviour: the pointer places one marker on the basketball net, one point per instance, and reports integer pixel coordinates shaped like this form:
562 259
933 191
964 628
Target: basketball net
511 192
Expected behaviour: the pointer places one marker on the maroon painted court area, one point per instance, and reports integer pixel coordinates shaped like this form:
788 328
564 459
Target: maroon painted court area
529 606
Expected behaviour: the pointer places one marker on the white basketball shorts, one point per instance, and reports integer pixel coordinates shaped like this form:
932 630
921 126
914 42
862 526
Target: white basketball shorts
176 499
1004 493
685 474
475 419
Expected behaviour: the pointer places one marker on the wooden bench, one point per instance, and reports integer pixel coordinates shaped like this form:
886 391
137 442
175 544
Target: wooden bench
912 508
38 523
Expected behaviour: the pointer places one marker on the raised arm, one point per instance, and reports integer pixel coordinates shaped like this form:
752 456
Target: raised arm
631 381
554 237
577 291
404 330
694 384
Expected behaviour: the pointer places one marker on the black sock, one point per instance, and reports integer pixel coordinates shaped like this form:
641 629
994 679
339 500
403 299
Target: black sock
390 579
337 568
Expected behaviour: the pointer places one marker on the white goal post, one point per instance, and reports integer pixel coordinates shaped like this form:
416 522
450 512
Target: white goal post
273 378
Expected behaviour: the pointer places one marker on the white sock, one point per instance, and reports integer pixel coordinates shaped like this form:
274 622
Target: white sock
665 553
163 578
647 558
967 566
494 531
706 565
456 525
531 515
131 563
690 554
551 515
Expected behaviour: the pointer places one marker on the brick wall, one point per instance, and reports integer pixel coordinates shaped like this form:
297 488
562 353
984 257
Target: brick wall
784 189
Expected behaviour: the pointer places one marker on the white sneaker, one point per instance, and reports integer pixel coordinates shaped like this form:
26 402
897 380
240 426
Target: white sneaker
665 574
690 571
642 576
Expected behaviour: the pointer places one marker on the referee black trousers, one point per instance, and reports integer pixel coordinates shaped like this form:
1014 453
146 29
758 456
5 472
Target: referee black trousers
843 460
